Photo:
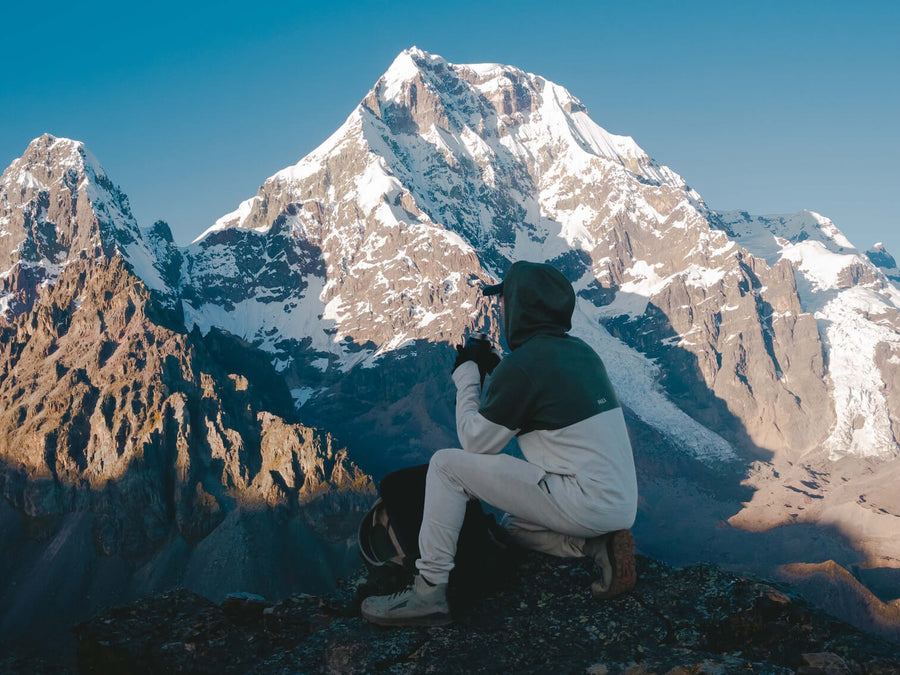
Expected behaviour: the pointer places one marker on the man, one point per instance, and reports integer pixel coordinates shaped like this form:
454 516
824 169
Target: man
574 494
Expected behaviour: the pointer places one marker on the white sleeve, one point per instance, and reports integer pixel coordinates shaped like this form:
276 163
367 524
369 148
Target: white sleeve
476 433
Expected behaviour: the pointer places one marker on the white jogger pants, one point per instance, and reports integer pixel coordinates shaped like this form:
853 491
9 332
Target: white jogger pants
535 502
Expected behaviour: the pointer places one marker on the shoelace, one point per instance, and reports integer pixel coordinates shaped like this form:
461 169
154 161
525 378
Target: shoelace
395 596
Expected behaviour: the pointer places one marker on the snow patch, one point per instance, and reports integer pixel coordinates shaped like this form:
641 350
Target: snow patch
234 219
703 276
400 71
821 266
636 381
265 324
374 183
765 236
633 296
143 263
301 395
863 416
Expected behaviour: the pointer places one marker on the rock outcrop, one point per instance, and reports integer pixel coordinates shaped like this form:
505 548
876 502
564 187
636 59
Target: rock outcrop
698 619
846 597
104 402
129 441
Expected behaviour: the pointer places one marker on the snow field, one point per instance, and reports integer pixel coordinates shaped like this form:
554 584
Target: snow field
863 417
636 381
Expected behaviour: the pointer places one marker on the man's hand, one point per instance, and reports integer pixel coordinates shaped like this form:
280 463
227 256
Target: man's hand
481 353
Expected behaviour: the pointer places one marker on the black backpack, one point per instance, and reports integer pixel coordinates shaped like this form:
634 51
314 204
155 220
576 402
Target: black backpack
389 539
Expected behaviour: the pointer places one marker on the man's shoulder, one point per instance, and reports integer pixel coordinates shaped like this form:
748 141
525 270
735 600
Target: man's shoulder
564 344
546 360
514 363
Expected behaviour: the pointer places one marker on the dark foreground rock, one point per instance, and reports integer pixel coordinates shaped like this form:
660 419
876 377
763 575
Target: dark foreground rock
695 620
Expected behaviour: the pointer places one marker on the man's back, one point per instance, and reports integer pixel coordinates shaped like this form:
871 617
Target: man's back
555 391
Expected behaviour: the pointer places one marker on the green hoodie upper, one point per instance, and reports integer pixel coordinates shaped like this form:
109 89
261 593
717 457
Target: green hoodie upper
551 379
553 392
538 300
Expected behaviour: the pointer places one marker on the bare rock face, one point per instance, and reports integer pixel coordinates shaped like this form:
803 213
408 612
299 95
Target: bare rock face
103 403
156 440
46 209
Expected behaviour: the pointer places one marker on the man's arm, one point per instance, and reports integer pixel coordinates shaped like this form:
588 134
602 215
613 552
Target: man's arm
476 433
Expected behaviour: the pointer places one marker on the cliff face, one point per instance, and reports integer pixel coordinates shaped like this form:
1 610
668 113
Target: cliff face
103 403
129 441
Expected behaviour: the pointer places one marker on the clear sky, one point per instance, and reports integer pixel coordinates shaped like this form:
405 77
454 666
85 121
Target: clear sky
771 107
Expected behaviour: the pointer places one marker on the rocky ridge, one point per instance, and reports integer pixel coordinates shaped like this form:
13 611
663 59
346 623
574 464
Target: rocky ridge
694 620
136 454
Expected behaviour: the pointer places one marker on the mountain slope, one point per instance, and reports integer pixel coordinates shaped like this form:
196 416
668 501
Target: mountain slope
134 454
767 343
513 165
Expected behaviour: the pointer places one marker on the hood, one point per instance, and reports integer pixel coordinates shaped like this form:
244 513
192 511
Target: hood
538 300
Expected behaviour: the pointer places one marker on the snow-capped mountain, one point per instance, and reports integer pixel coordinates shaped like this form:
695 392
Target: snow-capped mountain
731 335
135 454
58 205
758 357
446 174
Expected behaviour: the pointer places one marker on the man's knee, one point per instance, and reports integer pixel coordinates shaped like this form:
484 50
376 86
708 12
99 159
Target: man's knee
445 465
441 459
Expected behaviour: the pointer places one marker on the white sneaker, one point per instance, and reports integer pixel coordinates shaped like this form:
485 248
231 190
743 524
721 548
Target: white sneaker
421 604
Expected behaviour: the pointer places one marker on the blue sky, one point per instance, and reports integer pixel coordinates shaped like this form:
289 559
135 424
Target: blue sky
770 107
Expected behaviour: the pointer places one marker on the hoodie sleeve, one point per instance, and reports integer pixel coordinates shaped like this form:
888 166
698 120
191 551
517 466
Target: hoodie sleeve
476 433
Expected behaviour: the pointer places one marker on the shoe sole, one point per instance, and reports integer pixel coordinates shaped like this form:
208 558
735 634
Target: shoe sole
621 556
428 620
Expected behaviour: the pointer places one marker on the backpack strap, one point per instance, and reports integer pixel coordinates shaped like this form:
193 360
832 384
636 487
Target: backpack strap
377 540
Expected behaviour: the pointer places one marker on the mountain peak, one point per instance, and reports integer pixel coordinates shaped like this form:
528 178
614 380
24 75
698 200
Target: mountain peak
421 91
408 65
61 153
421 58
59 144
57 203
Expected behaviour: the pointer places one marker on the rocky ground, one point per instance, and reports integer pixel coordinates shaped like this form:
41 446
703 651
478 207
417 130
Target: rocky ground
699 619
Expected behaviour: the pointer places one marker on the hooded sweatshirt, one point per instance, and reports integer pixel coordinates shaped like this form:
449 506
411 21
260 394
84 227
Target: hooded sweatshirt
552 392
